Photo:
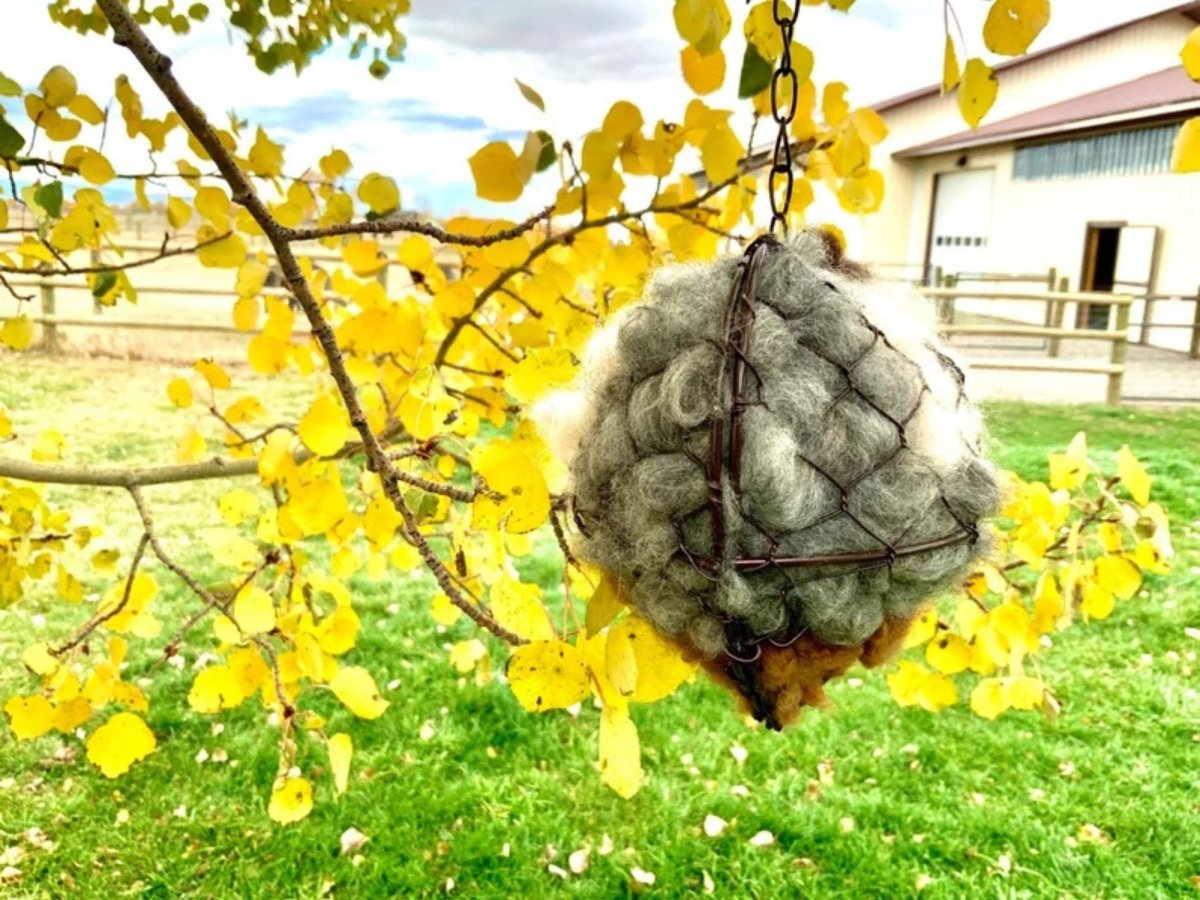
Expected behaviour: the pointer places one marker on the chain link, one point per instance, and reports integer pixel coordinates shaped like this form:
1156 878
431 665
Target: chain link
783 79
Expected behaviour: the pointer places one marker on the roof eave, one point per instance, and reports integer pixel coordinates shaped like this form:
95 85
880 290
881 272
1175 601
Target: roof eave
969 141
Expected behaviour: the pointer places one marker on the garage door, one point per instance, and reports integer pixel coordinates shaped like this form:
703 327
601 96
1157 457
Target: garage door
962 213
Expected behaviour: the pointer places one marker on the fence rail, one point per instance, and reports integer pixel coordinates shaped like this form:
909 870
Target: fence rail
1055 302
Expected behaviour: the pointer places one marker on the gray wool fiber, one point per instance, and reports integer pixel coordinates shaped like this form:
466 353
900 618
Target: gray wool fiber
841 367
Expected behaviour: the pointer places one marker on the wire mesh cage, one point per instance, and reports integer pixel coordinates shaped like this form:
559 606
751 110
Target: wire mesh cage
776 457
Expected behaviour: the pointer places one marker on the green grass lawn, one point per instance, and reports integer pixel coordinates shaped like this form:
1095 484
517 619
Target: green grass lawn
865 800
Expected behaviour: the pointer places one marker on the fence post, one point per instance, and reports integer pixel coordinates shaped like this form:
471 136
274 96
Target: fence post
1056 310
49 329
1119 351
1051 281
1194 350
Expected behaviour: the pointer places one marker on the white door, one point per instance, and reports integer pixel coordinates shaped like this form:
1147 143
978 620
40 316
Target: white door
1135 259
962 215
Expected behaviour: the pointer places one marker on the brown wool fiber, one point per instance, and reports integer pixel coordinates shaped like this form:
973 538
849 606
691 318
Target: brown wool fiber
857 435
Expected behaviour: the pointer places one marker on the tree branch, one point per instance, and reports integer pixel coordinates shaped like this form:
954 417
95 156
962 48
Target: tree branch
415 226
68 269
127 33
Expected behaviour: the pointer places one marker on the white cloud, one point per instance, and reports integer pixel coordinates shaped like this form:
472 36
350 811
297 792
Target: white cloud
456 86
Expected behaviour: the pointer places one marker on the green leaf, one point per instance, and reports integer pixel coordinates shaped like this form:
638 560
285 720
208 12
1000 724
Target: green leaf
105 282
756 73
548 154
11 140
50 198
8 87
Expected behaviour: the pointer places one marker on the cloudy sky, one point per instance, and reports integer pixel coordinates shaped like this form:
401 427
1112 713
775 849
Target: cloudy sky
455 90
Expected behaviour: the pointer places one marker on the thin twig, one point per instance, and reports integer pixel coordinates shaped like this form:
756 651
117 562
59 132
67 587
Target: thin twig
99 619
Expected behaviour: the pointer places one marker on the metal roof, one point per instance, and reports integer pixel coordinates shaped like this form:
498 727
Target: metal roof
1151 96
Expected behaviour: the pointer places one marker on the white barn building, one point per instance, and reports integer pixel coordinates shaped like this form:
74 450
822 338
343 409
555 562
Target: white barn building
1068 175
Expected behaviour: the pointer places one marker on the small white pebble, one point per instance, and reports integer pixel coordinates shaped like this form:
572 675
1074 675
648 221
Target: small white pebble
220 755
739 754
122 817
707 882
394 684
606 845
846 824
218 729
910 748
1036 794
506 850
762 839
714 825
351 841
740 790
978 799
181 811
687 759
427 732
557 870
641 876
923 881
202 756
578 861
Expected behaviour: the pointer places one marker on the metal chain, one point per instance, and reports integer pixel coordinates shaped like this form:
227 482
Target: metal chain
781 165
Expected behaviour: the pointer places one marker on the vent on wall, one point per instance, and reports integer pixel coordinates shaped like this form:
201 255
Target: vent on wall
1134 151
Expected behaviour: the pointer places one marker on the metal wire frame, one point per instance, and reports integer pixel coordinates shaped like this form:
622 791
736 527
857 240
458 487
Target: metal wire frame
723 465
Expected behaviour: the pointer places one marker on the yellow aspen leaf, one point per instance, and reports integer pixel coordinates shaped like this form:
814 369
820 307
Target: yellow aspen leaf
524 498
604 606
720 153
6 429
834 107
465 654
29 717
355 687
1012 25
245 314
191 446
217 377
548 675
661 668
530 94
1096 601
58 87
265 157
1010 620
922 629
38 659
227 253
1190 55
120 742
869 125
1023 692
70 714
363 257
179 391
341 750
248 668
620 752
267 355
1133 476
444 611
139 192
622 120
1110 537
252 277
542 370
415 253
948 654
344 562
254 610
335 164
1047 604
914 685
518 607
323 427
1069 470
495 170
96 168
238 505
977 92
291 800
179 212
950 72
84 107
702 23
379 193
215 688
703 74
1118 575
988 699
17 333
49 446
338 631
213 203
862 193
620 662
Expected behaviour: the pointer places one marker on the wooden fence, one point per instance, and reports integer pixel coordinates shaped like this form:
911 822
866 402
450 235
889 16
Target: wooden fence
1056 303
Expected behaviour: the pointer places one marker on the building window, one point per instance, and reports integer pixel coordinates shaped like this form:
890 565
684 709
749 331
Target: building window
1134 151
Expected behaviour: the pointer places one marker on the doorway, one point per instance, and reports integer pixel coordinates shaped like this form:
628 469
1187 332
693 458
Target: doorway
1116 257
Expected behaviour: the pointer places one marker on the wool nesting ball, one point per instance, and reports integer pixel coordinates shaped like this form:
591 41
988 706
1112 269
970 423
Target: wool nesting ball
856 440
